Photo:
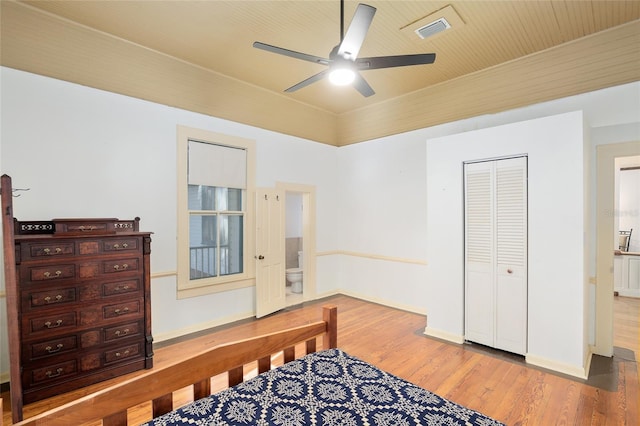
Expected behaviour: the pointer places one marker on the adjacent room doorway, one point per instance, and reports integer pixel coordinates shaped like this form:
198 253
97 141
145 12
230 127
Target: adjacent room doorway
605 233
271 247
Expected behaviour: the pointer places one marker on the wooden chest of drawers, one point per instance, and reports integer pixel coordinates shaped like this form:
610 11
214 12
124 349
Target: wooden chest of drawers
84 309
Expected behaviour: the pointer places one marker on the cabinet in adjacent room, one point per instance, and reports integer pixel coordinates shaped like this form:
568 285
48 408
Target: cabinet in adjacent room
496 253
626 274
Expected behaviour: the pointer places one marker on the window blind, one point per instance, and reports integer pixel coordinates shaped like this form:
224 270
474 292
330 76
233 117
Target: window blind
217 165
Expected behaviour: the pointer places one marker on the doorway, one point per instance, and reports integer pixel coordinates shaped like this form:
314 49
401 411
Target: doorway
294 248
300 243
605 238
626 304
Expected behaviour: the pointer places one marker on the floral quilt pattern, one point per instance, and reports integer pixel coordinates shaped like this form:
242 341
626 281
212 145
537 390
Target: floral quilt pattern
327 388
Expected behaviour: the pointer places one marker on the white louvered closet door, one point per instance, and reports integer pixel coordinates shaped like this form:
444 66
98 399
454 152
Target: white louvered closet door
496 253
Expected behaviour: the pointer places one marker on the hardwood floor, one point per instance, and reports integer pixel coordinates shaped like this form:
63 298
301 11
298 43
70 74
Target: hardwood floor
498 385
626 329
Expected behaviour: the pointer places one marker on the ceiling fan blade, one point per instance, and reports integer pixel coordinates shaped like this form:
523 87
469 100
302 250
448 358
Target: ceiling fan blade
308 81
362 86
357 31
291 53
395 61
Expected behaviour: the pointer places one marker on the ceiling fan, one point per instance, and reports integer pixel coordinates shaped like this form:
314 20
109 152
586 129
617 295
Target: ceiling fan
343 62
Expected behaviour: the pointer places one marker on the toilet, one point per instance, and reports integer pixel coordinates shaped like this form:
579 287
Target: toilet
294 276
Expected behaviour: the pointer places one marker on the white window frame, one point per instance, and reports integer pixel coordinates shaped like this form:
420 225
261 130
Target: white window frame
197 287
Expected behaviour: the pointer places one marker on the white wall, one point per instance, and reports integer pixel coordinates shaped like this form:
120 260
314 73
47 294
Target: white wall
556 279
293 227
382 203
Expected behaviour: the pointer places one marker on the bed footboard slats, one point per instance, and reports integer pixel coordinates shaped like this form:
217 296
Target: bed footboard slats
289 354
264 364
202 389
162 405
310 346
158 384
236 376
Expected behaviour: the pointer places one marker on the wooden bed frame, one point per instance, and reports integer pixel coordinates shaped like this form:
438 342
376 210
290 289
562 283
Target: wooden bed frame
156 385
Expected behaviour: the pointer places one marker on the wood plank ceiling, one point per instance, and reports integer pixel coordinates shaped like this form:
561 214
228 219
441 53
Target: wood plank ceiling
198 55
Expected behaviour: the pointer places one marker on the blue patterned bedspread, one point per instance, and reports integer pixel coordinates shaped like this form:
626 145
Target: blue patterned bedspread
324 388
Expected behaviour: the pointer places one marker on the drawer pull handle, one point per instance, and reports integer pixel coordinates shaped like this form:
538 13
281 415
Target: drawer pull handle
122 333
49 324
55 300
56 274
86 228
118 246
122 288
125 353
50 374
49 349
117 267
47 251
121 311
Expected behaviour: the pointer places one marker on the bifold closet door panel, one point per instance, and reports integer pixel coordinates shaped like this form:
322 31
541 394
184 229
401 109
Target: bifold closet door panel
479 253
511 254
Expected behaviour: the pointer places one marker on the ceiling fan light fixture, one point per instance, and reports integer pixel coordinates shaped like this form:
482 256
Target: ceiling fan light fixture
344 64
342 76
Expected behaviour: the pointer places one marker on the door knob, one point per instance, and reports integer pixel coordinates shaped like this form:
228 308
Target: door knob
260 257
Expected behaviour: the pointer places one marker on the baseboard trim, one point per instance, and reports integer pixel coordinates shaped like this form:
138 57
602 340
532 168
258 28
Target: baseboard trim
384 302
444 335
559 367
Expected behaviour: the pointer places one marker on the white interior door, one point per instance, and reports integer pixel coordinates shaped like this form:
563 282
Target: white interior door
511 254
270 251
479 253
496 253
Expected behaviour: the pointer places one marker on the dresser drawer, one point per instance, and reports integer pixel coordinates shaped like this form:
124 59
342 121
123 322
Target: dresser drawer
111 289
46 298
110 245
50 347
116 266
123 309
47 250
117 288
61 248
52 323
108 315
122 331
49 273
89 270
54 372
121 354
82 226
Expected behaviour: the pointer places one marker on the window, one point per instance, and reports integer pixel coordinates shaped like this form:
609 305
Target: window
214 178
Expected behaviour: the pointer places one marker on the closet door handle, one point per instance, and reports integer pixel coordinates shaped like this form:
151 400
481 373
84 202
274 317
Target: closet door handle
509 271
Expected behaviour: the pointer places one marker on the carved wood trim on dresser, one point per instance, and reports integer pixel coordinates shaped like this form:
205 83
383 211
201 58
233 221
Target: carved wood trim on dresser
80 299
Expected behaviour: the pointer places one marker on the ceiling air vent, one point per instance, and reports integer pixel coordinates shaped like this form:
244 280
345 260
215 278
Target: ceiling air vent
433 28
